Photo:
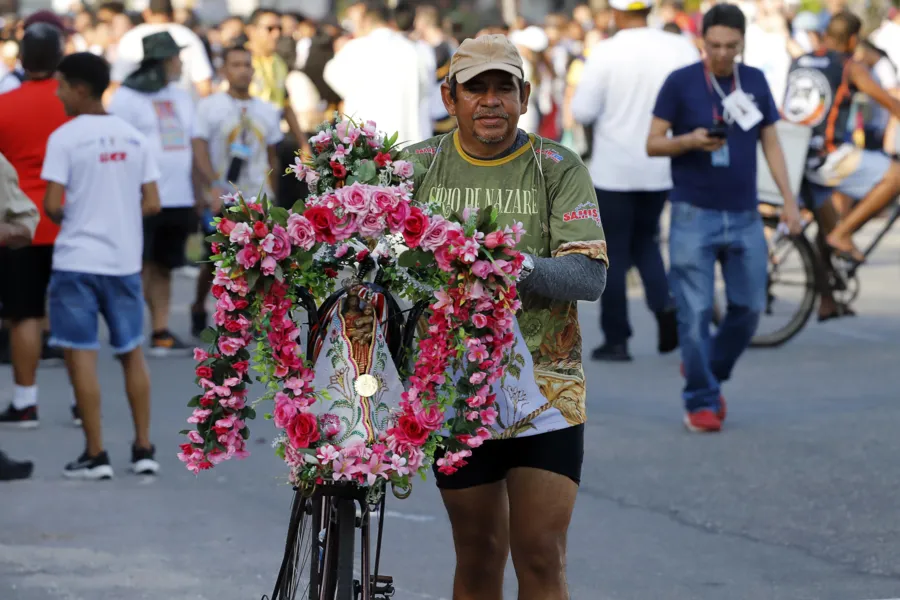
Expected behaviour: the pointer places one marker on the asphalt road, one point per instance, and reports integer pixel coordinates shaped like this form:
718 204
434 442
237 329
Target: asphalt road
796 500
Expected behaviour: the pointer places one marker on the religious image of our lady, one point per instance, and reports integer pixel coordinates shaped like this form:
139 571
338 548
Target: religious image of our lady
359 325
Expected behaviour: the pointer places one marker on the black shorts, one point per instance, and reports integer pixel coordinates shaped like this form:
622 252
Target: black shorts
24 277
560 452
166 234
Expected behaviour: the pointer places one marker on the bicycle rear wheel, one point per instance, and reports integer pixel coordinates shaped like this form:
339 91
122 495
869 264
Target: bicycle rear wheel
790 293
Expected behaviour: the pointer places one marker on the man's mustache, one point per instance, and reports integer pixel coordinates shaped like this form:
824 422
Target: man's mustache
491 115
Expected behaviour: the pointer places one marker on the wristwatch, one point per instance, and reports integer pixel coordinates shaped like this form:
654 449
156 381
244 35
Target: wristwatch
527 268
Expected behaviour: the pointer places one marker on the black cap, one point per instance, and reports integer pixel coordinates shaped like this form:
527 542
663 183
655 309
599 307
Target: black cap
41 48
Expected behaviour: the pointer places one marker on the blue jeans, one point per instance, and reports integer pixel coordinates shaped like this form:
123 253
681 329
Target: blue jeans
631 225
698 238
78 299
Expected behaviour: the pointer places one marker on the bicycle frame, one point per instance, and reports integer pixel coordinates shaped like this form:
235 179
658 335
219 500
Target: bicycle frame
895 214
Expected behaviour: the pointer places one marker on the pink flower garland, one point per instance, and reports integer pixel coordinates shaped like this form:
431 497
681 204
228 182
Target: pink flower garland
261 256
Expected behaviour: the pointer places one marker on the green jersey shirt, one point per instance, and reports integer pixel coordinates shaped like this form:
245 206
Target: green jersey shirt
547 188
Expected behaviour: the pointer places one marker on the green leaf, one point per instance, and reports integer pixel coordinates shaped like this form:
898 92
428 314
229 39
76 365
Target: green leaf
413 258
245 433
185 431
216 237
251 413
367 172
389 143
252 278
351 180
279 215
279 273
299 206
194 402
209 335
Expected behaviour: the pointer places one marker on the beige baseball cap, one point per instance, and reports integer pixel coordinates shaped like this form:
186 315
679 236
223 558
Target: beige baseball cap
486 53
629 5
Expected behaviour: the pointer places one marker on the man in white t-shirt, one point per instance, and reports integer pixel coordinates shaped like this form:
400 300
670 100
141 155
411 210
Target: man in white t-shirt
234 142
151 101
619 85
196 76
105 169
381 59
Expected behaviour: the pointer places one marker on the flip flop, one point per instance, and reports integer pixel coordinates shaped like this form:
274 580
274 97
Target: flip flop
840 310
852 256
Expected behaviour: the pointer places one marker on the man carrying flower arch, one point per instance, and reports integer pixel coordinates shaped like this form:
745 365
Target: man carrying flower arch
517 490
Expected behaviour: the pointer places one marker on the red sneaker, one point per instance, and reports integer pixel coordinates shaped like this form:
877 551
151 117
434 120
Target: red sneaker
702 421
723 408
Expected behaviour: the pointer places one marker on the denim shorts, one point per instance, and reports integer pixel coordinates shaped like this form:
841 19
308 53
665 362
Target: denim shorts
78 299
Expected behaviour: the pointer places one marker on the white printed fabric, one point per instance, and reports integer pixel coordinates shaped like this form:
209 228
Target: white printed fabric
349 417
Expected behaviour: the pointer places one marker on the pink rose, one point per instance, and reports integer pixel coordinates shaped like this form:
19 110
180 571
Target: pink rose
482 268
281 249
436 234
229 346
354 198
494 239
477 378
479 321
383 200
240 234
226 226
443 258
431 418
402 169
371 226
268 265
300 231
248 256
285 410
345 227
396 219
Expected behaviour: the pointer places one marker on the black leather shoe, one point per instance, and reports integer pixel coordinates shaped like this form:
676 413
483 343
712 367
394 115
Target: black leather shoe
668 331
611 353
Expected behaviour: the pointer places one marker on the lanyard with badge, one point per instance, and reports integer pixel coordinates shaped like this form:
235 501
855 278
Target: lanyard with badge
239 150
738 108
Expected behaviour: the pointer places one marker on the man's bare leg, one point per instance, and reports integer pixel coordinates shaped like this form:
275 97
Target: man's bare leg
841 238
540 510
480 520
25 342
204 285
827 217
137 387
82 367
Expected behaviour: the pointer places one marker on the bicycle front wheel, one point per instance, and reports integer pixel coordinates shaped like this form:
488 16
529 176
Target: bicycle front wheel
790 291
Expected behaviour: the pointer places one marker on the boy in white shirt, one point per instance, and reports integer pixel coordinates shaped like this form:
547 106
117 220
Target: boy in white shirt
106 171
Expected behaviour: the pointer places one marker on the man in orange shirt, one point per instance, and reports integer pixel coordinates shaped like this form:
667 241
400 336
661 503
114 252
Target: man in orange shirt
28 115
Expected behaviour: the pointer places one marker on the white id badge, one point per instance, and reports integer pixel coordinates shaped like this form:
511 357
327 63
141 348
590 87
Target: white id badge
721 157
243 151
742 109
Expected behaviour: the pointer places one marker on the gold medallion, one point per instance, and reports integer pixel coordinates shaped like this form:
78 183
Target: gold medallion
366 385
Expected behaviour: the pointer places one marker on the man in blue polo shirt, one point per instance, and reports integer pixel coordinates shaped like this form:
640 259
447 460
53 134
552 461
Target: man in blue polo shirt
717 111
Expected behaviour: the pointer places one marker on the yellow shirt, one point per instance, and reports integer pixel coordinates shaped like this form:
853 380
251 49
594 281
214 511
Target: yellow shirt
269 80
